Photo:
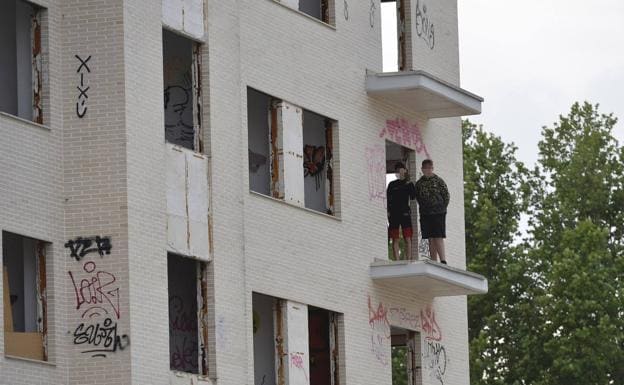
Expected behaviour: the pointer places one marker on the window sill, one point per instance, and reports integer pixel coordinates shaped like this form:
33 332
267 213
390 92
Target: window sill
47 363
22 120
335 218
178 378
333 27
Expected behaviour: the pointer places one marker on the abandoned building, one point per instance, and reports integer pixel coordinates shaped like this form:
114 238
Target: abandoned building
194 192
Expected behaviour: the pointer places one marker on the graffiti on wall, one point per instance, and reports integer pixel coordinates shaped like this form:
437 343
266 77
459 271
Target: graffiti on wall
81 103
371 13
376 170
380 331
402 317
296 361
96 294
80 247
435 358
402 132
424 25
346 10
183 339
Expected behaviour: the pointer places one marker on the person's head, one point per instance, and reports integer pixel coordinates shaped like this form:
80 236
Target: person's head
400 170
427 167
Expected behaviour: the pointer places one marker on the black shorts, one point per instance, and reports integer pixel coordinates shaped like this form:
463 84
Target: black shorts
433 226
400 219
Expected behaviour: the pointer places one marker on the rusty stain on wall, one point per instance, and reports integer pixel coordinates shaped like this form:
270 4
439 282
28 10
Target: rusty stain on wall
42 299
37 70
279 343
203 317
275 169
329 141
402 29
197 98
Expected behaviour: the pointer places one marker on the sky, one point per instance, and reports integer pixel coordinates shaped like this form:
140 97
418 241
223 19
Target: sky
532 59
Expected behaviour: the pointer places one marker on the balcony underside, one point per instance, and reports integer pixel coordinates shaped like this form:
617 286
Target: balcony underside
427 278
424 93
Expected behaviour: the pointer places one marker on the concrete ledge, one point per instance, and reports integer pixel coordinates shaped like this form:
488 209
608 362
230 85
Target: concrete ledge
428 278
423 92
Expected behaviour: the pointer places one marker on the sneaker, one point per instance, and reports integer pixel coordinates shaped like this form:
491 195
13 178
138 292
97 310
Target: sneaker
443 262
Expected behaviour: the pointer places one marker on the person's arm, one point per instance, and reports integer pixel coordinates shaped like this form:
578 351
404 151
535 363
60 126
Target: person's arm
388 199
412 190
445 193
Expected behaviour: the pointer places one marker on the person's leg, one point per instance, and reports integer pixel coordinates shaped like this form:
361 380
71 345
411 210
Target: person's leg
395 248
432 249
440 248
407 236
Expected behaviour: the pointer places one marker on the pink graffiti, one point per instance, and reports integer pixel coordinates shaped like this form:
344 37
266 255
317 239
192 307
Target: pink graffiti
296 360
402 132
380 331
376 162
96 290
429 325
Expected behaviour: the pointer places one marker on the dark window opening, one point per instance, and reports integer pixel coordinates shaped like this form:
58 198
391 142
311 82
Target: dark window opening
264 339
20 60
322 332
318 138
320 9
24 296
182 93
258 136
187 335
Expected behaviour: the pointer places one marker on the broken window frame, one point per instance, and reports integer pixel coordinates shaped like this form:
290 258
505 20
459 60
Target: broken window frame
36 79
196 88
277 181
201 270
12 337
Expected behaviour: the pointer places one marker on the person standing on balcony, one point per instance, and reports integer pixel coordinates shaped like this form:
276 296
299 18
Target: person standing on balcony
399 193
433 199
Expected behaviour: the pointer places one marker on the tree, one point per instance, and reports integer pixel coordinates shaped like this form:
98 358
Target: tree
496 192
577 250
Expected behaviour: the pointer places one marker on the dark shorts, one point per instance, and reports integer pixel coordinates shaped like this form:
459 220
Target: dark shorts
404 221
433 226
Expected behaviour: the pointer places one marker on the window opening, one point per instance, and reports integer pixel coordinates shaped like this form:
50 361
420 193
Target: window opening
24 296
406 357
20 60
187 309
182 93
318 134
394 35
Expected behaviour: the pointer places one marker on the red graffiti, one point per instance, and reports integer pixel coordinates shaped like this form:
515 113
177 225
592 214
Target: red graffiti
429 324
184 356
376 161
96 290
404 317
380 331
402 132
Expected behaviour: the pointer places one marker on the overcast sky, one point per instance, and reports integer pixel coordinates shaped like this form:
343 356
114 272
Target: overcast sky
531 59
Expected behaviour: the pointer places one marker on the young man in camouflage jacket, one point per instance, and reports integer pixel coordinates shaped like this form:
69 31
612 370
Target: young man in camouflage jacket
433 199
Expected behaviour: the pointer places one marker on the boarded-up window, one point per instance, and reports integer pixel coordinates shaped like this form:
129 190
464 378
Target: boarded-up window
24 296
182 93
20 59
187 313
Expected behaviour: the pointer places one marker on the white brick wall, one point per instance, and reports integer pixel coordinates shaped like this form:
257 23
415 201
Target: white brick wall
105 175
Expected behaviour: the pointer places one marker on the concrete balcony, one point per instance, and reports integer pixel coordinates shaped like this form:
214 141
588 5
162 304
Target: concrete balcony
188 197
427 278
424 93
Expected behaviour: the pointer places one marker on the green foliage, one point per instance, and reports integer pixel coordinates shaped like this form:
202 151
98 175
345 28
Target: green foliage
555 311
399 365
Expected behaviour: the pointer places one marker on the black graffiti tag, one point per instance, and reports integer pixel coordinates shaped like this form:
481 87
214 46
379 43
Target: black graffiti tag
102 337
80 247
81 104
424 25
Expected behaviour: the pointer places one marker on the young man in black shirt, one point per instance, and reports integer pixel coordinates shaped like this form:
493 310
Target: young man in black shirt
399 193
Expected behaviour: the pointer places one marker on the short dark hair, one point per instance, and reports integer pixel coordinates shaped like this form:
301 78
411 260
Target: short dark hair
398 165
427 162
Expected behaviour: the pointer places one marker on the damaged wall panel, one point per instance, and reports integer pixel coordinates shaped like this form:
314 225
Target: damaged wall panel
187 203
295 359
185 16
287 153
